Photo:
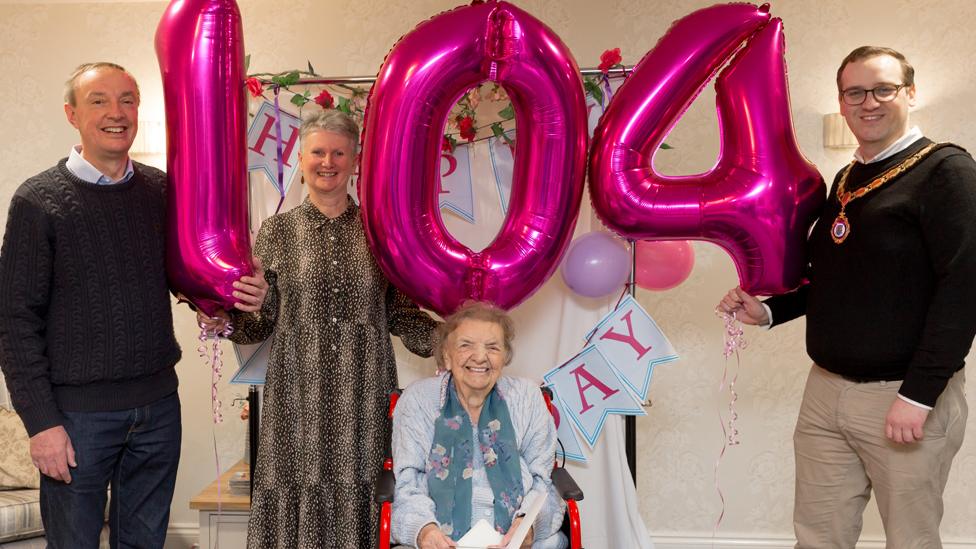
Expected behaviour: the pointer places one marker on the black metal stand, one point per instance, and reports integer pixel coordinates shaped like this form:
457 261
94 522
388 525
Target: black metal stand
253 422
630 422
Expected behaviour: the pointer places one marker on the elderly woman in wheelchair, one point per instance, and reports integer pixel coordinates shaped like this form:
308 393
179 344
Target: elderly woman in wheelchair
472 444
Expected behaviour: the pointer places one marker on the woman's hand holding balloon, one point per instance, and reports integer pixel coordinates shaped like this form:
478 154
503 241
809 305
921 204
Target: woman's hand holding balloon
250 291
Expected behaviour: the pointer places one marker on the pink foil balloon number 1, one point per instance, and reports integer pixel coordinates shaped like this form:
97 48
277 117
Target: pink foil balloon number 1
200 47
420 80
761 197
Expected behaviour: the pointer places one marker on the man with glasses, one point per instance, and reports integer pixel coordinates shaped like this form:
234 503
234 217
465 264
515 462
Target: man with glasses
889 308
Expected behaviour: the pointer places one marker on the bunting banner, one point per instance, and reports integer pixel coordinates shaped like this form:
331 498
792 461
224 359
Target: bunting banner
633 344
569 445
456 194
262 145
254 362
503 165
589 390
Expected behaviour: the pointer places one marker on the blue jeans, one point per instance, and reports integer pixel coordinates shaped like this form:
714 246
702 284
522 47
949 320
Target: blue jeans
136 451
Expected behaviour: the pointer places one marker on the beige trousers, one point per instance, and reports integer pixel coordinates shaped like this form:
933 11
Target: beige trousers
842 454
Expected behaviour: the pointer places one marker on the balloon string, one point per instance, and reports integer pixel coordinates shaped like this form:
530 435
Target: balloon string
278 145
593 333
219 499
209 350
734 341
212 355
608 92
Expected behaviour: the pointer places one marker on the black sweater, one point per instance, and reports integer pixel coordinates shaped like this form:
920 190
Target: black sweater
85 320
897 299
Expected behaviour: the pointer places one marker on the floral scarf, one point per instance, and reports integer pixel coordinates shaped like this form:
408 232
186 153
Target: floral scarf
450 462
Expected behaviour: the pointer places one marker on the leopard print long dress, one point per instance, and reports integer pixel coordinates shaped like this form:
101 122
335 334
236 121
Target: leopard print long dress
323 427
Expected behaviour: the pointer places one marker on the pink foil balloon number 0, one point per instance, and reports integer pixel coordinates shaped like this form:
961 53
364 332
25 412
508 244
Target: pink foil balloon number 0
761 197
420 80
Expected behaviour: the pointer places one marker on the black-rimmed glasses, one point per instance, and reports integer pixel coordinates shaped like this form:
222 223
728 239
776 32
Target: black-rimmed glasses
882 94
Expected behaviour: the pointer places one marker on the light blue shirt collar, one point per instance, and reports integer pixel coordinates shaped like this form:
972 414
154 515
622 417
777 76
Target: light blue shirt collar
82 169
912 136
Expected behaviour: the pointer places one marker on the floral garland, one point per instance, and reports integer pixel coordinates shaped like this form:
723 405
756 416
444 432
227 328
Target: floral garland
463 121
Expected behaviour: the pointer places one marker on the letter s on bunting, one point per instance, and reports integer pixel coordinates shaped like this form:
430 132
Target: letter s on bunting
421 78
761 197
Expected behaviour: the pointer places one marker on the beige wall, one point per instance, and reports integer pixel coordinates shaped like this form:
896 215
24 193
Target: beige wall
680 438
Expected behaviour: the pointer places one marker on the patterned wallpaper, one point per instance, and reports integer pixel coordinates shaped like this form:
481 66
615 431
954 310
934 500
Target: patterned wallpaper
681 437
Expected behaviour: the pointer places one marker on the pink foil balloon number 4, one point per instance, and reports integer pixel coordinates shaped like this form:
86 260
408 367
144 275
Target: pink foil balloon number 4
760 199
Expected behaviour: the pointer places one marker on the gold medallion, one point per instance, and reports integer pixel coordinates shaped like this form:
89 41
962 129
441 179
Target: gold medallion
840 229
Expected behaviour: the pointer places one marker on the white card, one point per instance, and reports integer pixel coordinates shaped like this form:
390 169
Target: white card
480 536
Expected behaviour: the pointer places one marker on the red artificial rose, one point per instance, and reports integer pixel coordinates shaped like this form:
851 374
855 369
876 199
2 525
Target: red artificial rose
446 145
325 99
610 58
254 86
466 126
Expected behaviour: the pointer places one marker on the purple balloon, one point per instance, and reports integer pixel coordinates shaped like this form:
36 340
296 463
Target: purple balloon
421 78
760 199
200 47
596 265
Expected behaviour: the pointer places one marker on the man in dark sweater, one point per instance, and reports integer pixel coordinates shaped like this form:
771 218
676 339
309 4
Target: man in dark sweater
889 307
86 329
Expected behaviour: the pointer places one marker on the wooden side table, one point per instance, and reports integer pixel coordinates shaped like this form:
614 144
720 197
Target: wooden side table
230 524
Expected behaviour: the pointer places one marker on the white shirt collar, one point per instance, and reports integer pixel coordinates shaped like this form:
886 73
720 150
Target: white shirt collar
912 136
82 169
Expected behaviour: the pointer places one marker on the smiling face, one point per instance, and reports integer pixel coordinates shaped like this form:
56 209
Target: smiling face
106 114
475 354
876 125
327 160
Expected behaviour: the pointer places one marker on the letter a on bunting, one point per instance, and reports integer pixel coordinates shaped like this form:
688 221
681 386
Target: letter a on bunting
588 390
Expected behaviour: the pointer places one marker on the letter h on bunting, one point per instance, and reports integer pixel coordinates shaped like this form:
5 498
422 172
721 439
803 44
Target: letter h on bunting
262 146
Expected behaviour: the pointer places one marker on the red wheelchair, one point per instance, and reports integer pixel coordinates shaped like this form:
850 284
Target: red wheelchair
565 486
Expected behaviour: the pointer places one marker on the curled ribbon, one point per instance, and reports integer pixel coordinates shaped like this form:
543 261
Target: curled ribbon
209 350
734 341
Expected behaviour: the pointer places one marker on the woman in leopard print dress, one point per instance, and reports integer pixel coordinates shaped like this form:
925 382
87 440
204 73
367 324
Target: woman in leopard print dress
323 427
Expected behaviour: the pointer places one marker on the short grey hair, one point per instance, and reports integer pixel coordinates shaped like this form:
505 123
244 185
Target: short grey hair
474 310
71 85
331 120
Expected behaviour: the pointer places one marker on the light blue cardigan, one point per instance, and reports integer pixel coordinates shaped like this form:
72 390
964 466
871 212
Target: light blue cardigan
413 435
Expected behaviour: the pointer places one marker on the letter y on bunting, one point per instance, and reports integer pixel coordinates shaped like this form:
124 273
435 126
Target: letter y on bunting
633 344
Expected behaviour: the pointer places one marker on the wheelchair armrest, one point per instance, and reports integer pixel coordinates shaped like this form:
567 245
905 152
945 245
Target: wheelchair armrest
385 486
566 487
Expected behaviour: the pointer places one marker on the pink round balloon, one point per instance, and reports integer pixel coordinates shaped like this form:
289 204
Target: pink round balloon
200 47
662 265
760 199
420 80
596 265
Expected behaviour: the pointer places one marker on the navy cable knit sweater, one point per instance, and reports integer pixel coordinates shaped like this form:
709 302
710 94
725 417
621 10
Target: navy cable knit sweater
85 318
